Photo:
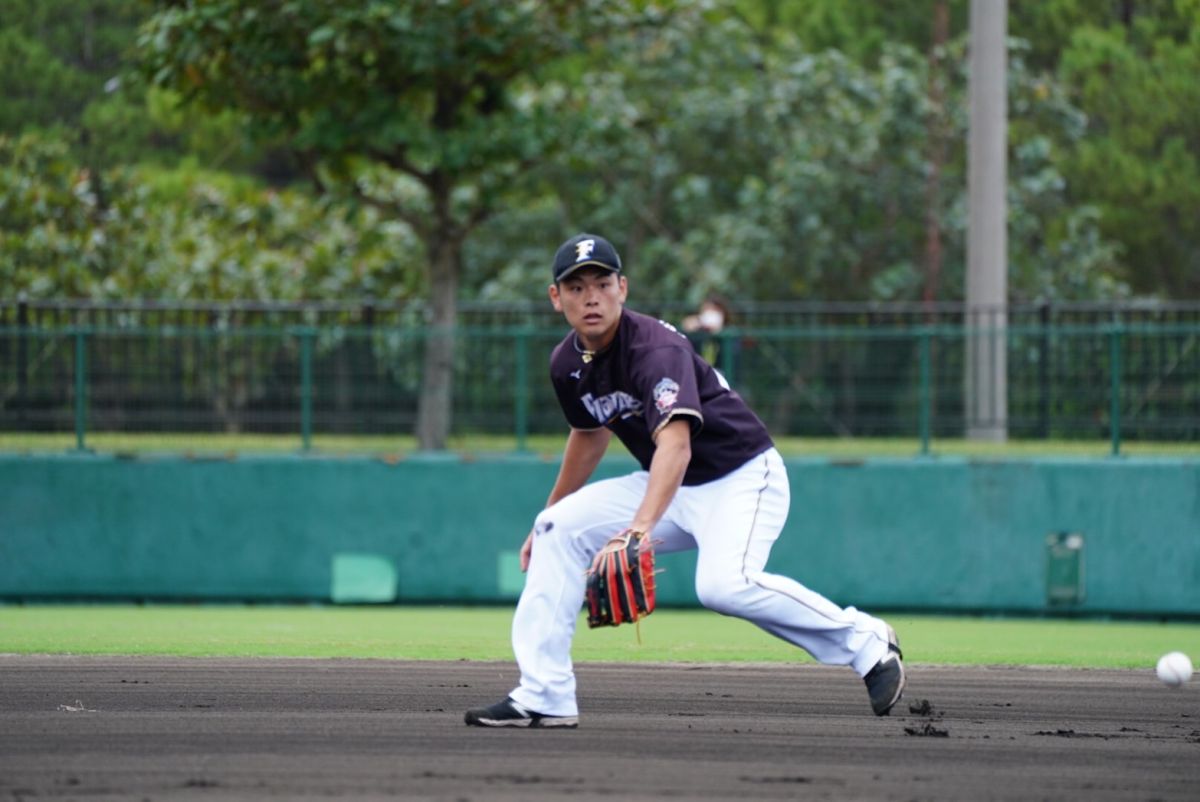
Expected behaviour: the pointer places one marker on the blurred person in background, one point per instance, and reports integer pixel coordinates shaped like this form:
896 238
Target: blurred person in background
704 327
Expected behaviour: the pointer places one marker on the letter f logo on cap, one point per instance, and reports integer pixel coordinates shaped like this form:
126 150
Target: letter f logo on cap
583 250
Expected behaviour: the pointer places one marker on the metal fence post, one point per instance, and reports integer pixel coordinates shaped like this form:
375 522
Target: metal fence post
81 338
1043 370
22 359
727 339
1114 343
925 391
521 391
306 389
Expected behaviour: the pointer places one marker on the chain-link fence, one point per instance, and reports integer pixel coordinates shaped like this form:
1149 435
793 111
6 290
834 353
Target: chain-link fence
1120 379
56 314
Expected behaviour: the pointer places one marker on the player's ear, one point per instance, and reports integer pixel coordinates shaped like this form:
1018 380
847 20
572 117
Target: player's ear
623 284
554 299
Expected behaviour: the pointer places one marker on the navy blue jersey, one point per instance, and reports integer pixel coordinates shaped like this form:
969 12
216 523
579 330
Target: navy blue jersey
648 376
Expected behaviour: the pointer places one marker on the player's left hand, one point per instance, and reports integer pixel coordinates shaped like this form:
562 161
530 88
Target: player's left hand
615 543
620 584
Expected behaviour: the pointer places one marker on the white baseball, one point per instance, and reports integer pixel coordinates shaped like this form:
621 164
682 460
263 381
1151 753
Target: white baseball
1174 668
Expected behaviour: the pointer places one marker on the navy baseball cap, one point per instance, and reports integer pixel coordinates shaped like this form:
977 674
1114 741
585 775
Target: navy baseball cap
585 250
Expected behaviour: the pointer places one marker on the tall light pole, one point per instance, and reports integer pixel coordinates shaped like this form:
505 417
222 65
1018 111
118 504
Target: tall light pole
987 232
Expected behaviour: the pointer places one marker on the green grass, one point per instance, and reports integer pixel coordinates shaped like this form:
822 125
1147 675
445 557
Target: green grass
442 633
551 445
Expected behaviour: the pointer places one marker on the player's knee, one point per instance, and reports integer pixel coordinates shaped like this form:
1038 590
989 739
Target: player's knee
726 595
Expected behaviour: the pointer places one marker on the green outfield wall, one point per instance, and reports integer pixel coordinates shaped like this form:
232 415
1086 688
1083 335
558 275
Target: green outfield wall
1096 536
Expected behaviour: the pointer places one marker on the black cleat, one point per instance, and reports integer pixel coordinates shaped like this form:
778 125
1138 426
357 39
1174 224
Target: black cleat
885 682
507 713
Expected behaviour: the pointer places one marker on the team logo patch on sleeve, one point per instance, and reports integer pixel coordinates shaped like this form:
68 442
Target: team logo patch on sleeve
666 393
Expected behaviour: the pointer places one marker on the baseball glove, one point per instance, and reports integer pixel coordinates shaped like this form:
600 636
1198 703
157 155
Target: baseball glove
620 588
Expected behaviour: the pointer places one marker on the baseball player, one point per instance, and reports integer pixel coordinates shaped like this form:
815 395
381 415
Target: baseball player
711 480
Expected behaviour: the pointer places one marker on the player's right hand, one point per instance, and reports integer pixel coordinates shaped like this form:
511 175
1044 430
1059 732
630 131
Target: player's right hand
526 551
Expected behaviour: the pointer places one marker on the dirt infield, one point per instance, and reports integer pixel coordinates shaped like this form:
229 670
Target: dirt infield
153 728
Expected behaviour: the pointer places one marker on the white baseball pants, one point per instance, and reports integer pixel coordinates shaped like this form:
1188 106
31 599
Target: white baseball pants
732 522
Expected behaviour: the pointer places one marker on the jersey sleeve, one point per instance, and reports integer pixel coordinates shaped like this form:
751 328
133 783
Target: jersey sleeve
669 389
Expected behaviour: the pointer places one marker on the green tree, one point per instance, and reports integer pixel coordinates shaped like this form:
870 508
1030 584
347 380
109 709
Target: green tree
39 89
1130 67
56 57
64 69
53 228
186 235
861 31
1127 66
427 110
1140 163
759 169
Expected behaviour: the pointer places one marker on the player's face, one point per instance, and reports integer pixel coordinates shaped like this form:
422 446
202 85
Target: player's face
591 301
